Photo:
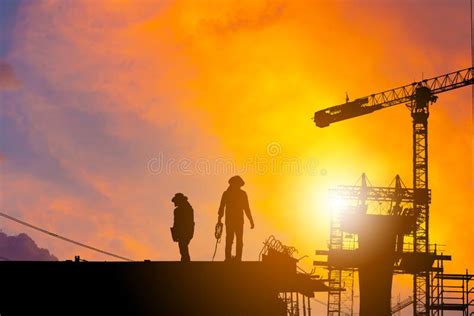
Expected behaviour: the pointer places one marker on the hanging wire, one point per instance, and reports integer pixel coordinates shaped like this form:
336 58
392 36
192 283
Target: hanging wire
62 237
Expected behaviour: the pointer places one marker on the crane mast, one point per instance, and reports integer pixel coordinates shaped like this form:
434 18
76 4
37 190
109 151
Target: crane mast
420 113
417 96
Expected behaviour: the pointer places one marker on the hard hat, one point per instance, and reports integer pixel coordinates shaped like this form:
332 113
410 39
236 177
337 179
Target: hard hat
237 181
179 197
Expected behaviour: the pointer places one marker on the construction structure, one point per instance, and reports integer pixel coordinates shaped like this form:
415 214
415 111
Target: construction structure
354 200
368 228
375 220
418 96
157 288
297 302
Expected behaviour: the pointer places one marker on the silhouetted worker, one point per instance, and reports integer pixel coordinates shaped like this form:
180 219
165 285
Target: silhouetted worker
234 203
183 225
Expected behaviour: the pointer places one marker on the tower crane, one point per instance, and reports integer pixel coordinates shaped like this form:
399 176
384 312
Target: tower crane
418 96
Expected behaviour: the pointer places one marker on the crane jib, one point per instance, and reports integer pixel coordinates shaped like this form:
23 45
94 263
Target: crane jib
400 95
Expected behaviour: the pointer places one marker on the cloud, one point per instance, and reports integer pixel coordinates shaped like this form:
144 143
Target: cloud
22 248
247 18
8 80
79 134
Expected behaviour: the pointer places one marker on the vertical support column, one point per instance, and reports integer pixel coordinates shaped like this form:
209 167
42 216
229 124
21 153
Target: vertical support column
298 303
304 305
309 307
468 292
342 303
334 275
292 313
442 286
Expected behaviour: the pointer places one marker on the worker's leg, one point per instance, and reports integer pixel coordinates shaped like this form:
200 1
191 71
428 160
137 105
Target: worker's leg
229 239
239 232
183 250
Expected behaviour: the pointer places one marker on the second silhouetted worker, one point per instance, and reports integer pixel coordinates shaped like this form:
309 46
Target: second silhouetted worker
234 204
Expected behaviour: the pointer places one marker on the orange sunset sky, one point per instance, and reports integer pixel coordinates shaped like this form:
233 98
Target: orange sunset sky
108 108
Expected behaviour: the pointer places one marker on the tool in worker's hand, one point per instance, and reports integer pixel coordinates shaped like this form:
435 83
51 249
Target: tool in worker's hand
217 233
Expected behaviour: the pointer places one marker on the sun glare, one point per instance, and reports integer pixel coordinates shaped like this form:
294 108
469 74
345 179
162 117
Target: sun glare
336 204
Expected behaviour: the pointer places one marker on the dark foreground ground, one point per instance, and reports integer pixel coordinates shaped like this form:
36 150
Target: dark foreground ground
149 288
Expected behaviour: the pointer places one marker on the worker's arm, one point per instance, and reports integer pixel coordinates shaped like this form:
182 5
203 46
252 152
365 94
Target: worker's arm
221 208
247 211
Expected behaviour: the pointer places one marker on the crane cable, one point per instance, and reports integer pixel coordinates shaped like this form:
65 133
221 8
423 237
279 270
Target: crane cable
218 234
63 238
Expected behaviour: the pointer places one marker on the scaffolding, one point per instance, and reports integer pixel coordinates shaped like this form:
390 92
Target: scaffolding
296 304
341 281
451 292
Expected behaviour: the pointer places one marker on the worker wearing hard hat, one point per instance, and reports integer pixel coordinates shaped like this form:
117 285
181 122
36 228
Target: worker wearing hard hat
183 225
234 203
